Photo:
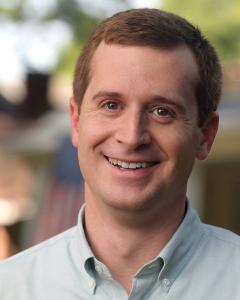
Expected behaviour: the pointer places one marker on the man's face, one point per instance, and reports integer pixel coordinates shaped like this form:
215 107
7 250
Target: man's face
137 133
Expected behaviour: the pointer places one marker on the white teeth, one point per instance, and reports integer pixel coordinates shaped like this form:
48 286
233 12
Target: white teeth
132 166
127 165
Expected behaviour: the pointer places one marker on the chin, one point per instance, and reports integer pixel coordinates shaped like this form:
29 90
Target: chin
130 202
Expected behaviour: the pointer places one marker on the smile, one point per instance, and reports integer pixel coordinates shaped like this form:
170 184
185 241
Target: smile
130 165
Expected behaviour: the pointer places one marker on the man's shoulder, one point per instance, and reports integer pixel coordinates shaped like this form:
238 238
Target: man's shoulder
222 244
48 270
222 236
43 252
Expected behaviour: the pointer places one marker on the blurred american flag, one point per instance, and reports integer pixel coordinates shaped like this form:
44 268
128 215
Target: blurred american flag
63 198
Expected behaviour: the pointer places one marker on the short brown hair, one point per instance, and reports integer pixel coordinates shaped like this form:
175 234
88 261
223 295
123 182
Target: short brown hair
159 29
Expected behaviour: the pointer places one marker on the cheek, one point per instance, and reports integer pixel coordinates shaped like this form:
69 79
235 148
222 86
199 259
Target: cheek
187 151
92 133
181 146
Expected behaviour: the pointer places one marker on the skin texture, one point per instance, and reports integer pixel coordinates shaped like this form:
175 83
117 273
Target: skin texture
139 107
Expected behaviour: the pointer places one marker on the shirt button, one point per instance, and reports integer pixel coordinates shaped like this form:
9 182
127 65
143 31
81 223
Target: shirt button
91 283
166 283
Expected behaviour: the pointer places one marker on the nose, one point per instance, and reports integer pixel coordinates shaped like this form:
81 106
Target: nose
133 130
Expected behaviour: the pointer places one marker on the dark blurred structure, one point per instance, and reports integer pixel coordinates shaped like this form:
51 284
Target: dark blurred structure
216 182
222 190
35 103
7 107
36 134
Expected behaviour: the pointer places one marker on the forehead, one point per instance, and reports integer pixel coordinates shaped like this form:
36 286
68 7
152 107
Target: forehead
143 69
115 55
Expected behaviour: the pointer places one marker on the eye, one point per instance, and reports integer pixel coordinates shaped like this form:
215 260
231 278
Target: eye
163 112
111 105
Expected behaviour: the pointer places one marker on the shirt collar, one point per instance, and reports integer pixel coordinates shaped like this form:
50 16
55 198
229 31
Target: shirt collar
174 255
82 254
181 246
86 252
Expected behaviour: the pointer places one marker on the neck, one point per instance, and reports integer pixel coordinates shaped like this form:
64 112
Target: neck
134 237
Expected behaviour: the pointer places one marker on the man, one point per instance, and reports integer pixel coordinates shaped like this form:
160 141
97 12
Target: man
146 91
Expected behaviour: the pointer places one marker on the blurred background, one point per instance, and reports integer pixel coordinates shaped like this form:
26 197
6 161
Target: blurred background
41 189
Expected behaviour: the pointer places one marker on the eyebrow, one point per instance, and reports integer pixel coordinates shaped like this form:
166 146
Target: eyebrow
107 94
156 98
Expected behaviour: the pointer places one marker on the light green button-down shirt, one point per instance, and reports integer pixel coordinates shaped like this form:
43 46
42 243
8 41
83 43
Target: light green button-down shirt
200 262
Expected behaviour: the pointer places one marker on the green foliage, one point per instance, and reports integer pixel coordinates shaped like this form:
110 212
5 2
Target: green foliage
68 59
14 14
219 20
68 11
81 23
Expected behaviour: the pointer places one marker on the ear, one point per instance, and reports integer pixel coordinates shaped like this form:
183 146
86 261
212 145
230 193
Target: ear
207 136
74 114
